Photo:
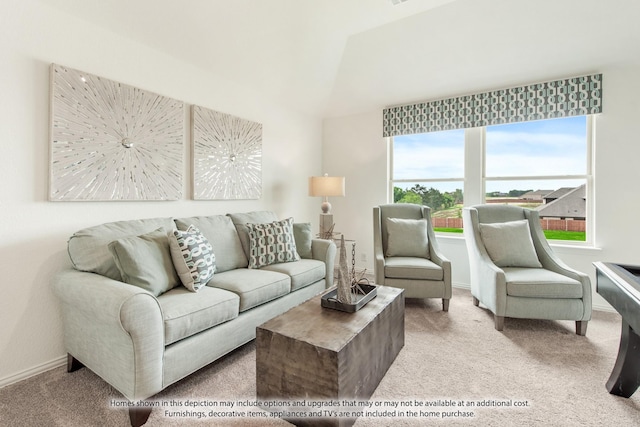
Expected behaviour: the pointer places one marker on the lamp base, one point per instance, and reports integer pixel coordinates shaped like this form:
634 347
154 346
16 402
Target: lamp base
326 207
326 225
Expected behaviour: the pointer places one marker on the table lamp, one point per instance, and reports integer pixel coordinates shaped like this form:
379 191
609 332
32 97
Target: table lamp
325 186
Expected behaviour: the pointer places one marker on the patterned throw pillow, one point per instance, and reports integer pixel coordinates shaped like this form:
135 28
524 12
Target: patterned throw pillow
272 243
193 257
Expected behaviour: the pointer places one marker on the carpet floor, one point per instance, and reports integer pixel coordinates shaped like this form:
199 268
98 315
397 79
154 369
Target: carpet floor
458 357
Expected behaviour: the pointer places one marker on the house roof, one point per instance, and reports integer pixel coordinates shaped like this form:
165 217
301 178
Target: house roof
538 193
335 57
558 193
570 205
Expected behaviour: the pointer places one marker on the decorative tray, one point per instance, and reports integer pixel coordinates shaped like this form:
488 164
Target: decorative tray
330 299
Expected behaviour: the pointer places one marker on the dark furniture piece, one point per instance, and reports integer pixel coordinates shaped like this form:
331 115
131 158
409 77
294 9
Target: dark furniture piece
620 286
316 353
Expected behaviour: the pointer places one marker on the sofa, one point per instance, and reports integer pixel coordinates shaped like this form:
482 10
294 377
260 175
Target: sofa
136 318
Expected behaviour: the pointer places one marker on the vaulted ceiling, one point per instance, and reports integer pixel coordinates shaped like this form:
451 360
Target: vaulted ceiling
338 57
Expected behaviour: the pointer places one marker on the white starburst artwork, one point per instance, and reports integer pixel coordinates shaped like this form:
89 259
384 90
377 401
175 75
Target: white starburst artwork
227 156
111 141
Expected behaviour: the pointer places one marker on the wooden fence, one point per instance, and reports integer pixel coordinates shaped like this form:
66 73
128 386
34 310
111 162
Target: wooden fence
547 224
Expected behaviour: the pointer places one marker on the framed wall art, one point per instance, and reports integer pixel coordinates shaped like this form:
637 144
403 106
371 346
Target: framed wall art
110 141
227 156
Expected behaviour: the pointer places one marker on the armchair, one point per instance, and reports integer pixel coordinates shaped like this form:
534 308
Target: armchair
514 271
406 252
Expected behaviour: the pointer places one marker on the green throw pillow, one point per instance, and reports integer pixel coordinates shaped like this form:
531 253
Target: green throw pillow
193 257
303 237
407 238
271 243
509 244
145 261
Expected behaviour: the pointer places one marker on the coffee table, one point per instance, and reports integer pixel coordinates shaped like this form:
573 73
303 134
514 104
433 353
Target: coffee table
316 353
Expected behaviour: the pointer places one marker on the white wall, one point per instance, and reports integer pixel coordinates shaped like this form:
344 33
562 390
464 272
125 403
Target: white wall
35 231
354 147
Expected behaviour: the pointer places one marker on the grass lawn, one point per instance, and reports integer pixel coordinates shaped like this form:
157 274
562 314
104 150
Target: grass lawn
448 230
565 235
550 234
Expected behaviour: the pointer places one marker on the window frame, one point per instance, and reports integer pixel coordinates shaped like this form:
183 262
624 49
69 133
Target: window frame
475 179
392 182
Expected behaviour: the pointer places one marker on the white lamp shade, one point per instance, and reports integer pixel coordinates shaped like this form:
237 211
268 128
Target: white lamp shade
326 186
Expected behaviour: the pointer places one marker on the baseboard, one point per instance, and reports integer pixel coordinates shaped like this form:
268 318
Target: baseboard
28 373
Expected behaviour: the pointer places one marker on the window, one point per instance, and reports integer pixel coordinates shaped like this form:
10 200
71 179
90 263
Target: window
428 169
543 165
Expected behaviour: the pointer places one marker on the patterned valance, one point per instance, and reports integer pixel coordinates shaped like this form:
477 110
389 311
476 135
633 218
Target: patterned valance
577 96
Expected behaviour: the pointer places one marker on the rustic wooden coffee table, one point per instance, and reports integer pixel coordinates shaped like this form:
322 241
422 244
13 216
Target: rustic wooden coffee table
316 353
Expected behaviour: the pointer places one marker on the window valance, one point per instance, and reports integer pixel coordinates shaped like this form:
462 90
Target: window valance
574 96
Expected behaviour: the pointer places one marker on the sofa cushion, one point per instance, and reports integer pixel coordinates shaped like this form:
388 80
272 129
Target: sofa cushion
222 235
509 244
302 273
540 283
88 248
254 287
145 261
272 243
303 236
193 257
186 313
240 220
407 238
412 268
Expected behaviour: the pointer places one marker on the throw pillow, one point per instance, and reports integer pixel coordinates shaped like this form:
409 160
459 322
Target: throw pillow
222 234
240 221
271 243
407 237
145 261
193 257
303 237
509 244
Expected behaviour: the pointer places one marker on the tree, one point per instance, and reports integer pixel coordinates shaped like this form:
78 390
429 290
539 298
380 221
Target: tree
432 197
398 194
410 197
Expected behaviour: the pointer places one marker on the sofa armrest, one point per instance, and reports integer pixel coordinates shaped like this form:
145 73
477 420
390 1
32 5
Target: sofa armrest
114 329
325 251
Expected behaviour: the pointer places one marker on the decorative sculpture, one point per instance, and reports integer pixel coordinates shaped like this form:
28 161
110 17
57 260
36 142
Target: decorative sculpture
352 292
344 279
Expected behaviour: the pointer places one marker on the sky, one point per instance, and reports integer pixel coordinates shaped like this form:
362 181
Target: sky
543 147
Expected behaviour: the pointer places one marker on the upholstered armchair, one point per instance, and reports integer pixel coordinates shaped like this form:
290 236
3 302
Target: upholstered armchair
514 271
406 252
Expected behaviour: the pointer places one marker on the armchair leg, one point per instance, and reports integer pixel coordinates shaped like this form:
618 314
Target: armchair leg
139 416
499 322
476 301
445 304
581 327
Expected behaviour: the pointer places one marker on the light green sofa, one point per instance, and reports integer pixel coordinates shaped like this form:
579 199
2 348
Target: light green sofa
141 343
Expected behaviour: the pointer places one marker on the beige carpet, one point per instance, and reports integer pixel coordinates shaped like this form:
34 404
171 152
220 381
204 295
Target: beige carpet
447 356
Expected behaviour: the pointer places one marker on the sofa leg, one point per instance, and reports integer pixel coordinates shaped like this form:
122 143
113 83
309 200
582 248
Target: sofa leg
581 327
139 416
73 364
499 322
476 301
445 304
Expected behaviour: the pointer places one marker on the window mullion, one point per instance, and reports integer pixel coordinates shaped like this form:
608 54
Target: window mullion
473 166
